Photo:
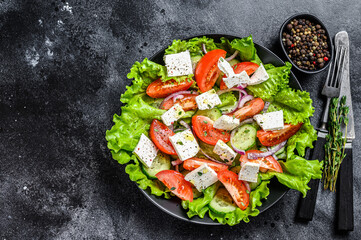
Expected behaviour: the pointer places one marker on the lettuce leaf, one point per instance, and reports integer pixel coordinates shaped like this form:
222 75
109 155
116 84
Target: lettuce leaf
198 207
278 79
194 46
296 105
301 140
227 99
235 217
245 46
136 175
297 173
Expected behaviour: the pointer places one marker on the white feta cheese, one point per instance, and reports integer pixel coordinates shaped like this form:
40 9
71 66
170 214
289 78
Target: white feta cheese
249 172
178 64
146 150
259 76
270 121
172 115
208 100
202 177
224 151
232 79
184 144
226 123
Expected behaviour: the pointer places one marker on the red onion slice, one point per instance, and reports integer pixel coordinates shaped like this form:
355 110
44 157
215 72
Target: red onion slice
273 155
220 92
175 95
184 124
266 154
244 100
247 121
232 56
177 162
179 130
266 105
204 48
177 168
214 160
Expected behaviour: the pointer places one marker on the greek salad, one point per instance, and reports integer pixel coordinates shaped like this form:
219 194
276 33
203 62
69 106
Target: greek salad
212 126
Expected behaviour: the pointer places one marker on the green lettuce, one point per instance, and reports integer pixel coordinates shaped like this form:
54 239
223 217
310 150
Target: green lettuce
194 46
296 105
245 46
278 79
301 140
297 172
227 99
235 217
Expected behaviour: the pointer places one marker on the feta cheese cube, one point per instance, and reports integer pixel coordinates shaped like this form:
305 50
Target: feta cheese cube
146 150
226 123
208 100
178 64
249 172
184 144
270 121
259 76
173 114
202 177
224 151
232 79
237 79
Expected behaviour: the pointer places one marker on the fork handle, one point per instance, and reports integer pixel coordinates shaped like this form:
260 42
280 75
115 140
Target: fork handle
325 115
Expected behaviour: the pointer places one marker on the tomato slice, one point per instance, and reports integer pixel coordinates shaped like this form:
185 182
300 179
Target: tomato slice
236 188
160 133
207 70
193 163
271 138
160 89
250 109
203 128
249 67
176 183
267 163
188 102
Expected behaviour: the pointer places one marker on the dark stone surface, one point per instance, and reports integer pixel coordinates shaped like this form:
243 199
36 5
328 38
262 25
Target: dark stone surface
63 68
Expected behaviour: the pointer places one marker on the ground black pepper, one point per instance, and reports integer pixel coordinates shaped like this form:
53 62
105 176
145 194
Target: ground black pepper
306 44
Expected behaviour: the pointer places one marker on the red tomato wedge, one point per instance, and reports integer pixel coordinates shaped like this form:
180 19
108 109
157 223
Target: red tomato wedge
267 163
203 128
207 70
249 67
271 138
159 89
176 183
193 163
236 188
160 133
250 109
188 102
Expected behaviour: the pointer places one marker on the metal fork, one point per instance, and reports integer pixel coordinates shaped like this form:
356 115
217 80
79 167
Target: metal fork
332 86
331 89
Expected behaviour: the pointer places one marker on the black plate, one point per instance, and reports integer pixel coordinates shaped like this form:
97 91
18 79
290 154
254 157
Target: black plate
277 190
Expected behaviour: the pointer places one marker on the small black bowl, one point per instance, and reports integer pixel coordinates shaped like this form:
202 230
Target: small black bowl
314 20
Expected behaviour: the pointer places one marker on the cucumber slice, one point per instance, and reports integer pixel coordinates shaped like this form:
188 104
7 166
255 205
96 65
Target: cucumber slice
196 193
160 163
254 185
213 113
222 202
245 137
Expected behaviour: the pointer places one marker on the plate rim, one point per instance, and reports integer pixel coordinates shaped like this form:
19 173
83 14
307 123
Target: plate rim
146 192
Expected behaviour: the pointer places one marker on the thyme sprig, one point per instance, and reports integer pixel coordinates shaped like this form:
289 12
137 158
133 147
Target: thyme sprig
335 142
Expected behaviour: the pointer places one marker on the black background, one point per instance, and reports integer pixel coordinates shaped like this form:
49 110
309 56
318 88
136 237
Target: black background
63 68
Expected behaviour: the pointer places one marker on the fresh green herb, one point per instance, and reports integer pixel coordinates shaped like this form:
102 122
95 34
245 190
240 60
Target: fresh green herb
205 122
223 133
156 130
247 191
209 106
335 142
200 173
173 188
205 133
235 67
180 143
242 204
179 113
188 80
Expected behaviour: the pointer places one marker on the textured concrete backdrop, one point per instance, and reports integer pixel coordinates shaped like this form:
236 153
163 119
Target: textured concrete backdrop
63 68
